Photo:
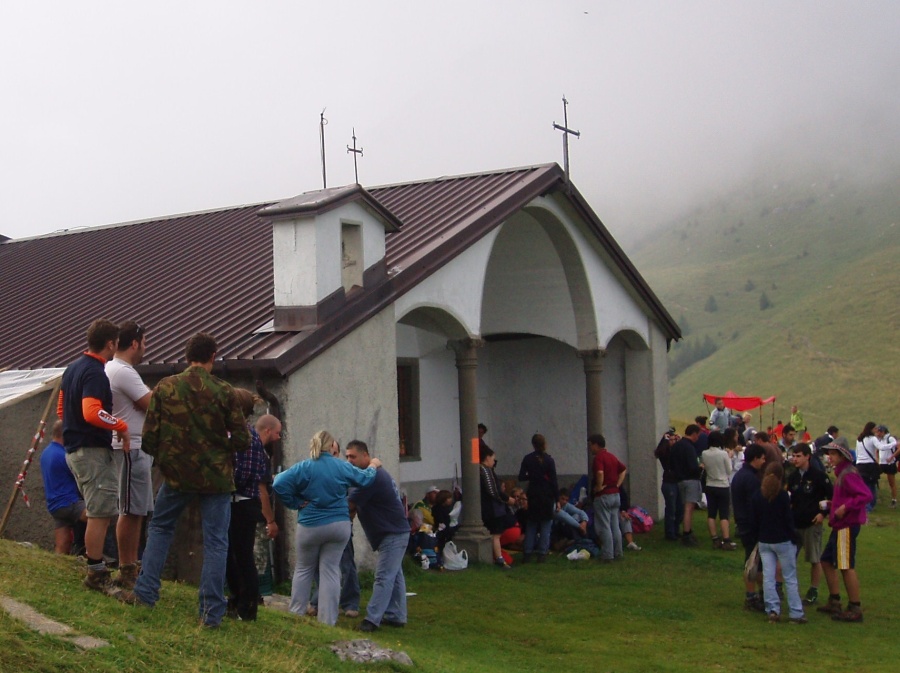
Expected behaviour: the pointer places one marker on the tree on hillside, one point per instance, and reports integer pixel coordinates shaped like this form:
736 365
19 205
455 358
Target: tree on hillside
749 286
689 352
764 302
711 305
684 325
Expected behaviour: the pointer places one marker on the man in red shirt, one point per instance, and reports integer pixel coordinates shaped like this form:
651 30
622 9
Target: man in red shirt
608 474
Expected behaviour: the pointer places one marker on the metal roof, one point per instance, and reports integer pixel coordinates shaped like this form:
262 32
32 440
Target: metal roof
212 271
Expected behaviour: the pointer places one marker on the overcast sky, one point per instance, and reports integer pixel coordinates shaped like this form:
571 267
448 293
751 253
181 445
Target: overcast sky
117 111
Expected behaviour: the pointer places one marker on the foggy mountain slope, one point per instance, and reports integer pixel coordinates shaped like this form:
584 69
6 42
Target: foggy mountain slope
821 252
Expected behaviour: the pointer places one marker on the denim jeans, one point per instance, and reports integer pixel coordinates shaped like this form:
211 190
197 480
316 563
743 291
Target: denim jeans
388 599
535 530
215 514
771 554
349 581
606 525
674 511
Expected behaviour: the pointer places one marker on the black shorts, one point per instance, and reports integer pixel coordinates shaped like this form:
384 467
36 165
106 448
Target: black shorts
890 468
718 501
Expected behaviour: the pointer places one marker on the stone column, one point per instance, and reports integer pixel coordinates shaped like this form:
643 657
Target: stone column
472 535
593 367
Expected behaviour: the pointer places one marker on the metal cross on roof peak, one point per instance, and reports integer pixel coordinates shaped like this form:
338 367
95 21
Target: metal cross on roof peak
355 152
566 132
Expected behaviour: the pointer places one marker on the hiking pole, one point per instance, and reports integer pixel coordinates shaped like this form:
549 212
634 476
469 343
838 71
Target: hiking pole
36 440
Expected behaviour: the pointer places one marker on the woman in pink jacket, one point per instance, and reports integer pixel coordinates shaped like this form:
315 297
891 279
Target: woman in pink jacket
848 513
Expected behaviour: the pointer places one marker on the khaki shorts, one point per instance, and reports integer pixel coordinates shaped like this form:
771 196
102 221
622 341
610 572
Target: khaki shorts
95 473
811 543
135 483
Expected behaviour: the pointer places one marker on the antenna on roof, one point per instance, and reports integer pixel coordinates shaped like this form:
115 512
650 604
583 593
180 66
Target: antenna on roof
355 152
566 131
322 123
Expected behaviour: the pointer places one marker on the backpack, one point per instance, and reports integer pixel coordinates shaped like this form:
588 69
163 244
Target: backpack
641 521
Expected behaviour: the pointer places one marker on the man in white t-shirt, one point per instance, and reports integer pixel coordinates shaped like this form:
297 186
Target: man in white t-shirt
130 400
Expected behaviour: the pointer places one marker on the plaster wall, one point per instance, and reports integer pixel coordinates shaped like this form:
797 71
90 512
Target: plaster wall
307 253
438 409
351 391
525 288
616 308
457 288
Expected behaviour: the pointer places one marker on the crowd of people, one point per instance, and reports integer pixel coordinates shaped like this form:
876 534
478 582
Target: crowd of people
195 428
781 491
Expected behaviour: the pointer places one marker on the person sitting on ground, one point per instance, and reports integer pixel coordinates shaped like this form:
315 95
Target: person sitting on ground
847 512
717 462
442 511
569 522
421 510
773 524
64 502
625 525
513 538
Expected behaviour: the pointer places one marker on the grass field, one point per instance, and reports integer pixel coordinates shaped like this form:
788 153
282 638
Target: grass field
666 608
825 250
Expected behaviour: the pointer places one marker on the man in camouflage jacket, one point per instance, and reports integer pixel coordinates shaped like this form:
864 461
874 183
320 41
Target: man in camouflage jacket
193 427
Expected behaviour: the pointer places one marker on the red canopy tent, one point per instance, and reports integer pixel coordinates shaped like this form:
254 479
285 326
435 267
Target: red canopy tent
738 403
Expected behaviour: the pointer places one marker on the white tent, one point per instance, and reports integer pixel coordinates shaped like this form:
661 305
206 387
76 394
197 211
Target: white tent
18 384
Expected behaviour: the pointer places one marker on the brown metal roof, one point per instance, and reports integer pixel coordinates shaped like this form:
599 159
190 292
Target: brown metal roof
212 271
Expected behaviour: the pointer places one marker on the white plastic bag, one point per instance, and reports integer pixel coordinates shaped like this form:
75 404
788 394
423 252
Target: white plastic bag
455 559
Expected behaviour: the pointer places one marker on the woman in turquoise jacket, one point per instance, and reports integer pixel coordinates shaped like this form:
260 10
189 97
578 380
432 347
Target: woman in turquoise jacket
317 488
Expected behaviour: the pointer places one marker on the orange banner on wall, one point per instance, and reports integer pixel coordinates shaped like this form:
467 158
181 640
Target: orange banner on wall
476 450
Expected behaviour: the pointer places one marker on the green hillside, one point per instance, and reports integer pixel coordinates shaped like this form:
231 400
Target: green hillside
823 251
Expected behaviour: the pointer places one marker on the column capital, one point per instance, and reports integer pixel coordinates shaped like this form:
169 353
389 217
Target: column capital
593 359
465 349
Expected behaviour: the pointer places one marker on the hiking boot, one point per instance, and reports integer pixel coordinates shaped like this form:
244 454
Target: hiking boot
728 545
130 598
812 596
754 604
688 540
127 576
774 617
833 606
717 543
98 580
351 613
366 626
799 620
853 613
